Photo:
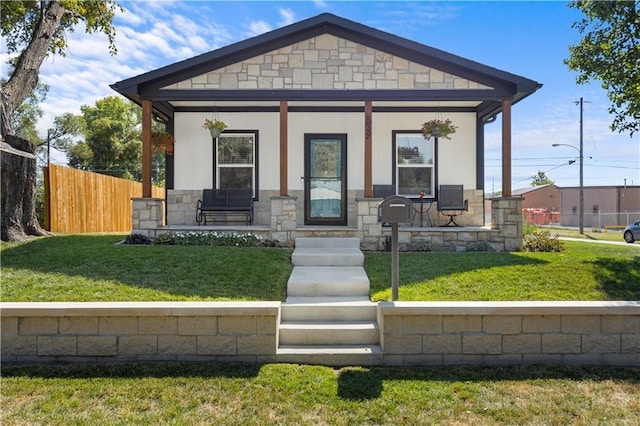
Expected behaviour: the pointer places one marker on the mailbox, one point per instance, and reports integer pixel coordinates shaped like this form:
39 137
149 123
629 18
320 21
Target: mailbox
395 209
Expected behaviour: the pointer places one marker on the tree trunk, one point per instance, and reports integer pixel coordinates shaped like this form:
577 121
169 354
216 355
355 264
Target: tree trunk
18 183
24 77
19 173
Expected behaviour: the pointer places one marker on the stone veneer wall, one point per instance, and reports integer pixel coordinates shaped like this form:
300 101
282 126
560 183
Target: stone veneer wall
139 331
282 219
330 63
147 214
486 333
412 333
503 236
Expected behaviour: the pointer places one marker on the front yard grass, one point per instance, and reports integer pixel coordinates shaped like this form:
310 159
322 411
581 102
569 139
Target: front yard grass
93 268
202 394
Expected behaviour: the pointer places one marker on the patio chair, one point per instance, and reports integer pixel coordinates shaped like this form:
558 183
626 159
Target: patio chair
451 202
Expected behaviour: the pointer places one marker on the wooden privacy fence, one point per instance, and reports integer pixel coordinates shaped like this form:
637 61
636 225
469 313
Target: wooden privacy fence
81 202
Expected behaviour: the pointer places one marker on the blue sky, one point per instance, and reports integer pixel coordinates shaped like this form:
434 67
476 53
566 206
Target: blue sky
530 39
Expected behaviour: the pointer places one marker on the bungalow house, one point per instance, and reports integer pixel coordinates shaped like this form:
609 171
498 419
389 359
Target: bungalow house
323 118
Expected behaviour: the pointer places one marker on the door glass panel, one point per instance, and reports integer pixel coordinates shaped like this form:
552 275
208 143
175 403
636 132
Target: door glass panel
325 178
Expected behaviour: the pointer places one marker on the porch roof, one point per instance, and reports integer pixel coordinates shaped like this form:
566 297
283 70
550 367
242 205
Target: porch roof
486 101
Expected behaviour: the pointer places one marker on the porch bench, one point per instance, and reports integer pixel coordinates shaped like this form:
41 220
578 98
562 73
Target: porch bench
225 202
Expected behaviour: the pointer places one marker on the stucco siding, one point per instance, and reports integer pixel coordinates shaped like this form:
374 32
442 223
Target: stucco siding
193 155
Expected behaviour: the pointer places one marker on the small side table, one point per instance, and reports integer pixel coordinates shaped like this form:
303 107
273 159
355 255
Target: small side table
422 210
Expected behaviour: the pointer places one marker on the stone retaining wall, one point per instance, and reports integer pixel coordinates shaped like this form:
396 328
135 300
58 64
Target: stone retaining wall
485 333
411 333
139 331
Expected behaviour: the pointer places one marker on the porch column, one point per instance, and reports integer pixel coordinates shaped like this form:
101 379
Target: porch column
146 148
284 146
506 147
368 123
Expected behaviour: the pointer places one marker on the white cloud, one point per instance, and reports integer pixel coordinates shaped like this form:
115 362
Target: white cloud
258 27
287 17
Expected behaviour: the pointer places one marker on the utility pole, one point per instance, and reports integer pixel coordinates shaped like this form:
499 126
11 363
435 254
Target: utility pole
581 169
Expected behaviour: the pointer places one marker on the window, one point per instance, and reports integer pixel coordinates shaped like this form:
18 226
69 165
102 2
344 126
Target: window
235 161
414 166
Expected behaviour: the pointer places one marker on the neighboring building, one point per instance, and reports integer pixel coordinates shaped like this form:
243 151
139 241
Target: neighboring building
324 110
603 205
540 204
540 197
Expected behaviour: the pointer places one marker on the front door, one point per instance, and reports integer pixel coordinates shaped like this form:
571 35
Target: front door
325 179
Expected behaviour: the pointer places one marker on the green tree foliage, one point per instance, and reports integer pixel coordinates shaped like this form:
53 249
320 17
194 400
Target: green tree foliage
540 179
112 143
32 30
610 52
111 140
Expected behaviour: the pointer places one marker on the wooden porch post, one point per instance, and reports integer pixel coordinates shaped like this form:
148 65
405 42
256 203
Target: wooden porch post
506 147
284 146
368 124
146 148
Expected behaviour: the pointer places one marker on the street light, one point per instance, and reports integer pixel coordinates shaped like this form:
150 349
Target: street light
581 180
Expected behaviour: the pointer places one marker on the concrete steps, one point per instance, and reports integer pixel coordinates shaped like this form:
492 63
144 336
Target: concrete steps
327 318
327 252
335 356
321 281
328 309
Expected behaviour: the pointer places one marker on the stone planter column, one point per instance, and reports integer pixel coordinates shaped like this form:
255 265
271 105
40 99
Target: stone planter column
283 218
368 225
147 215
506 217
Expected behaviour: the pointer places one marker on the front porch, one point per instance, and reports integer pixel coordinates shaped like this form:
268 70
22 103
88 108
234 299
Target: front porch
504 234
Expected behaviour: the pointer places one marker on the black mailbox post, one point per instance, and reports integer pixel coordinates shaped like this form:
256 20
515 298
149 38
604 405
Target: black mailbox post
395 209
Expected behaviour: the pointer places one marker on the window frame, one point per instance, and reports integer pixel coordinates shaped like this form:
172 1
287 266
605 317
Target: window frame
395 166
216 166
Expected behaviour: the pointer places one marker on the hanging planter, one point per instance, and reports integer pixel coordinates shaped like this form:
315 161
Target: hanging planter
162 141
215 127
438 128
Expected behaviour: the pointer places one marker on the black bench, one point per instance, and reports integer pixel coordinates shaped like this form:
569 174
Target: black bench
225 202
451 202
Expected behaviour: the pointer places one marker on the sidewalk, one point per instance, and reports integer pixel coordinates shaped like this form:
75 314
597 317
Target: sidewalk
587 240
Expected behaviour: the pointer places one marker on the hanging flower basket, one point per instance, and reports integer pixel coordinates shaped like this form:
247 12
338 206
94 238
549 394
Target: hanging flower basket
215 127
438 129
162 141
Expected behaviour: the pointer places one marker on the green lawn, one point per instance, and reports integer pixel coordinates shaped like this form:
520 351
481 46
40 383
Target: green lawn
206 394
584 271
94 268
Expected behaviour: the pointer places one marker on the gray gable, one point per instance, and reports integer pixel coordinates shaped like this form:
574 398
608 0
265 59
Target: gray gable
401 69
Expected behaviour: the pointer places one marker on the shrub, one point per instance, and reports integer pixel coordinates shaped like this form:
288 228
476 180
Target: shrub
217 239
424 246
137 239
480 246
528 228
543 241
164 239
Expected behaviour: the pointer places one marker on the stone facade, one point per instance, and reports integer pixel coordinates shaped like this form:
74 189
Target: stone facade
326 62
487 333
147 215
131 331
282 219
411 333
